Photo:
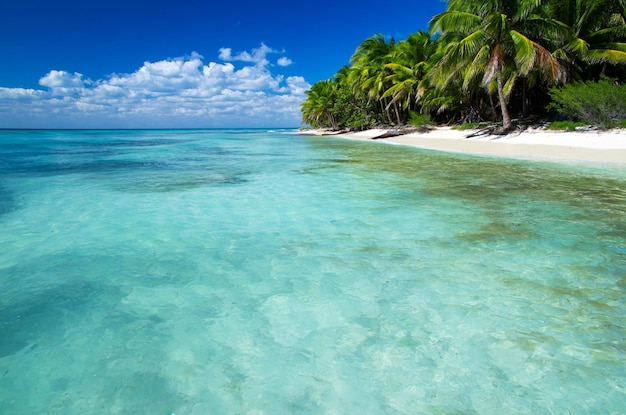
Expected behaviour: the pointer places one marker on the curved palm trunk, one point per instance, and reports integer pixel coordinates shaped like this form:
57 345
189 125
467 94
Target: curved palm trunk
385 110
525 98
333 123
398 115
506 118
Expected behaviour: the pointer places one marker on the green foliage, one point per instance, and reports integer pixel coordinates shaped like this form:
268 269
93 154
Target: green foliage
483 61
470 126
351 110
419 120
601 103
565 125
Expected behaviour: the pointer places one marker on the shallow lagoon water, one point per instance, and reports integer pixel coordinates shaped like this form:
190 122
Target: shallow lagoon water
247 271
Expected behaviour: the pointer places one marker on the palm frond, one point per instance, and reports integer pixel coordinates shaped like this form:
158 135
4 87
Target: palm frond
589 13
491 86
397 69
494 65
607 55
509 84
438 100
615 46
495 25
561 55
480 8
548 65
476 67
526 8
615 32
524 52
455 22
547 30
578 46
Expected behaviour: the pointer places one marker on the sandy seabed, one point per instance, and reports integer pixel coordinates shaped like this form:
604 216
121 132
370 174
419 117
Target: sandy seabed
537 144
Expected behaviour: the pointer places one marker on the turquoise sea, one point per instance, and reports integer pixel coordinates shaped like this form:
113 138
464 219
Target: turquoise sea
265 272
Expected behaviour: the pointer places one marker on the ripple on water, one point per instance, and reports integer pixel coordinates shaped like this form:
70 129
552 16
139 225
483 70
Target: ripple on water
151 272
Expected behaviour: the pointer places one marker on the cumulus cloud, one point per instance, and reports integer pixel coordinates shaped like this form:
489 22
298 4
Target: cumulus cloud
284 61
175 92
62 79
62 82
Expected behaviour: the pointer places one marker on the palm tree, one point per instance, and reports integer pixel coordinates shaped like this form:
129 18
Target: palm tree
598 30
486 39
317 110
408 67
368 72
352 106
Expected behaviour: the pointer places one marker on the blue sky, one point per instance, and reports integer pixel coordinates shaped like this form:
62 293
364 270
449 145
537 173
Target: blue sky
180 64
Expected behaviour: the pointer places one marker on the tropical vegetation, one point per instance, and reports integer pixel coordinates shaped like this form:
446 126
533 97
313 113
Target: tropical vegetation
497 61
601 103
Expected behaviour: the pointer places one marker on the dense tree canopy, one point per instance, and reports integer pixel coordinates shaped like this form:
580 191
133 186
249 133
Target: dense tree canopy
482 60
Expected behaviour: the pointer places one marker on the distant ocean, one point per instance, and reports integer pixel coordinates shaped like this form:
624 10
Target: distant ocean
264 272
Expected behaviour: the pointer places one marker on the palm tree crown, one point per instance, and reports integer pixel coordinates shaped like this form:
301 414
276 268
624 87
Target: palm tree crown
488 40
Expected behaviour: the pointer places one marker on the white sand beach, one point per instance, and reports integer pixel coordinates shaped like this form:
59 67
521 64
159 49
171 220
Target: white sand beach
536 144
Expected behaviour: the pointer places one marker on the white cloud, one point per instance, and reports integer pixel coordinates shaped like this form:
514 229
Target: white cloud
258 55
63 83
297 85
62 79
284 61
178 92
21 93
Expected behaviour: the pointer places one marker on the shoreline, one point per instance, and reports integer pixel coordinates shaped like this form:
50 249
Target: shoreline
604 147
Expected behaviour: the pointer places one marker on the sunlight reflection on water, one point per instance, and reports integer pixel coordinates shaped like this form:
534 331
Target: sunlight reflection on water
196 272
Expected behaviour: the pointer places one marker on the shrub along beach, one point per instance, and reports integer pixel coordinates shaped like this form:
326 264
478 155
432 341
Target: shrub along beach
492 69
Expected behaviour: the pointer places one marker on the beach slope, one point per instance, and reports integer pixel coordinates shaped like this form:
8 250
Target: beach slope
536 144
